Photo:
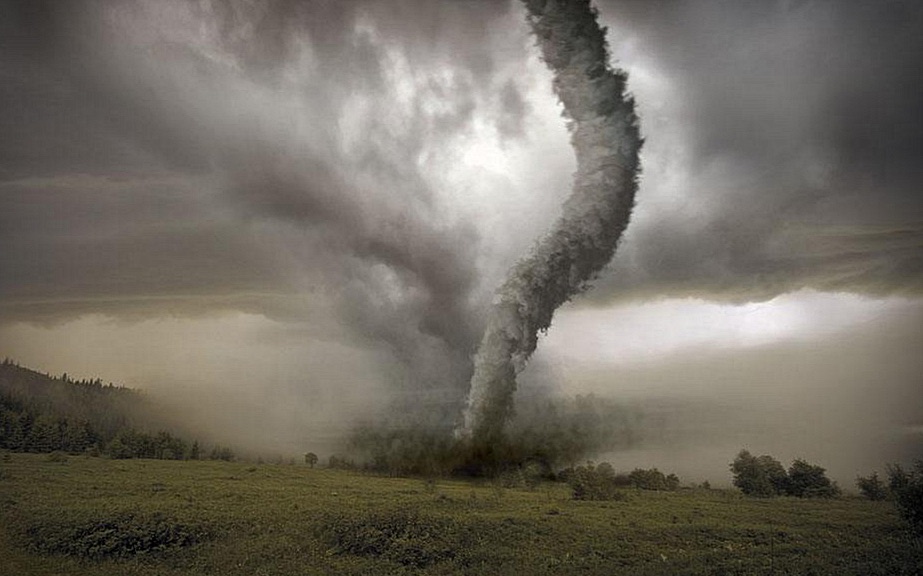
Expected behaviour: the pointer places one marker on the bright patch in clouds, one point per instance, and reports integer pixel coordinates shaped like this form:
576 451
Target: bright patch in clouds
484 152
643 332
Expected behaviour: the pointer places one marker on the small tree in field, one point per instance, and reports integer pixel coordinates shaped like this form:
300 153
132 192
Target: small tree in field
758 476
809 481
310 459
907 488
872 487
588 483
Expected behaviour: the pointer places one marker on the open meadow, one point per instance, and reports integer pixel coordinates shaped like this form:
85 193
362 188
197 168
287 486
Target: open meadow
92 516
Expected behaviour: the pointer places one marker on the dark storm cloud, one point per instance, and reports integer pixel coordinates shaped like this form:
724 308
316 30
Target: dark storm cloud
797 127
87 244
162 150
165 158
67 108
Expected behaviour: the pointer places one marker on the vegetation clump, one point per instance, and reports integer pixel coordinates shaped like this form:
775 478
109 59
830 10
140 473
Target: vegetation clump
907 489
118 537
807 480
653 479
402 536
591 482
600 482
764 476
872 487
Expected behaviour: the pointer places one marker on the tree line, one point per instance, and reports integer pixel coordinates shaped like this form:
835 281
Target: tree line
40 413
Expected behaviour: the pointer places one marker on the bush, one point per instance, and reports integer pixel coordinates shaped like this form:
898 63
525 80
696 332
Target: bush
872 487
809 481
764 476
653 479
589 483
907 488
117 537
761 476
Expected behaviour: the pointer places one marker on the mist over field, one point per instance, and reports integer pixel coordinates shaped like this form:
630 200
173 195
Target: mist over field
286 220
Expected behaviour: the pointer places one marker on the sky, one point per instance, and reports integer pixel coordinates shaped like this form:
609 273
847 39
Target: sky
285 218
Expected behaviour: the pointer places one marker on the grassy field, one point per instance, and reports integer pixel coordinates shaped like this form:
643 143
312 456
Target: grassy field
143 517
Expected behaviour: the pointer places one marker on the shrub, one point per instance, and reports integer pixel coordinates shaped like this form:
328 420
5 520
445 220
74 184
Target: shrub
758 476
764 476
809 481
653 479
120 536
907 488
588 483
872 487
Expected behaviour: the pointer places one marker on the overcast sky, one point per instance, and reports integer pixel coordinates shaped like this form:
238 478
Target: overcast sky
294 212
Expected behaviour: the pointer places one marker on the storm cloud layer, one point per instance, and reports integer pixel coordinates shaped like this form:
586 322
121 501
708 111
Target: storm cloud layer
167 158
362 174
145 148
785 138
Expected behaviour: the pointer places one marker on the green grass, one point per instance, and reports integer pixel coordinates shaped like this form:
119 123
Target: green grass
143 517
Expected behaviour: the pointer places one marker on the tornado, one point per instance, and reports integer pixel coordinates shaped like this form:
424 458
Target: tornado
606 139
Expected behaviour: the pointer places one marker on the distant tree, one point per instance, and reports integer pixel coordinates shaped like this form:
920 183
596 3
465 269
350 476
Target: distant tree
672 482
221 453
872 487
764 476
588 483
652 479
775 472
194 450
44 435
77 436
605 470
12 433
809 481
169 447
310 459
761 476
118 450
907 488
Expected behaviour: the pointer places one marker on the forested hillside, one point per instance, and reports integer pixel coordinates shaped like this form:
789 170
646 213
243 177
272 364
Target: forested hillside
41 413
